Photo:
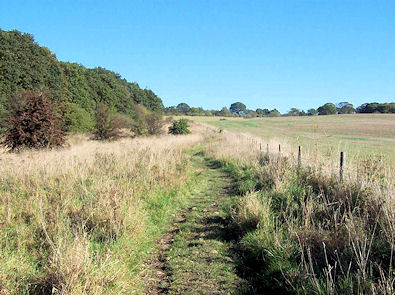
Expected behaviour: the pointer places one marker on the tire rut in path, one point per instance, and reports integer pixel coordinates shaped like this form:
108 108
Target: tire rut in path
196 256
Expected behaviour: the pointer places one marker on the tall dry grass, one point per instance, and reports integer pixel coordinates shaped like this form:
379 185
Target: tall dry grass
79 220
303 230
357 167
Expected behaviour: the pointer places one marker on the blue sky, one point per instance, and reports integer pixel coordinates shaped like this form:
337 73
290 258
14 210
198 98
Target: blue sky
268 54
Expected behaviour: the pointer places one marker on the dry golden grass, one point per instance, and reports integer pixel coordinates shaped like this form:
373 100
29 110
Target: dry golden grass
78 220
356 168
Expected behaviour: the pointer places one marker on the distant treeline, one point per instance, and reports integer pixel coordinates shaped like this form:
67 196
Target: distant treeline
76 90
239 109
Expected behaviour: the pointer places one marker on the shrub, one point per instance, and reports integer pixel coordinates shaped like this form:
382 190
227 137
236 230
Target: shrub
146 122
180 127
76 119
154 123
31 122
108 124
139 126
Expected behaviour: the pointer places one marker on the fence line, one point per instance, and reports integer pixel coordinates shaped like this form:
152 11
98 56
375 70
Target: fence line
299 157
335 167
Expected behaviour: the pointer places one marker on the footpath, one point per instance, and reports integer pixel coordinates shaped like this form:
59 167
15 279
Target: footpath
196 255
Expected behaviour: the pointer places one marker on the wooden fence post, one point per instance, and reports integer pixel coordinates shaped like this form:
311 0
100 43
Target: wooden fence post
299 158
341 166
279 152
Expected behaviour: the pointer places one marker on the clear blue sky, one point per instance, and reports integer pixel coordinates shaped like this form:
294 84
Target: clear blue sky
266 54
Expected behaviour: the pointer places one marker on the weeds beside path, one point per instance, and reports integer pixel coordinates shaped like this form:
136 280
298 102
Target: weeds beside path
196 255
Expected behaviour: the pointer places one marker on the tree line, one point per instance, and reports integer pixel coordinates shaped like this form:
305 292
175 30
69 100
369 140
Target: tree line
239 109
75 91
236 109
42 99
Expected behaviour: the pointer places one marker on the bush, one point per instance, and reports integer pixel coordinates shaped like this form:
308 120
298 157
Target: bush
154 123
146 122
180 127
139 126
109 124
76 119
31 122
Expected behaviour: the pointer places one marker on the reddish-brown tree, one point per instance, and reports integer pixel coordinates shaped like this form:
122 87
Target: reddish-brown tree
32 122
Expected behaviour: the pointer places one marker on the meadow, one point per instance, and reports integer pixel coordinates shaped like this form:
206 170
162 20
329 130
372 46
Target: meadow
81 219
90 218
359 134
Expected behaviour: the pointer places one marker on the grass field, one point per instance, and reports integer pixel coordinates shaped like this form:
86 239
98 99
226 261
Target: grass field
359 134
205 213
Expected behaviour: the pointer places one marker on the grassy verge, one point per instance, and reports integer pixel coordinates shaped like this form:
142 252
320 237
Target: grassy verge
304 232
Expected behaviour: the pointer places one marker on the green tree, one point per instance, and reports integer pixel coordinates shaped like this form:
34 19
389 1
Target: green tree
179 127
3 113
312 112
375 107
194 111
238 108
172 110
384 108
24 65
262 112
294 112
345 108
250 114
224 112
152 101
274 113
76 119
327 109
183 108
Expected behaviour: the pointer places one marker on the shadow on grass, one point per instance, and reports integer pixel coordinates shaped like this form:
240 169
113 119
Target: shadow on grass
215 227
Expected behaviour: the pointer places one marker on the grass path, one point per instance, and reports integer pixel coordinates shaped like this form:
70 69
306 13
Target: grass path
196 254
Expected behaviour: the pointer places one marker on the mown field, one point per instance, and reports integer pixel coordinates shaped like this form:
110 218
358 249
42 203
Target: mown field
360 135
